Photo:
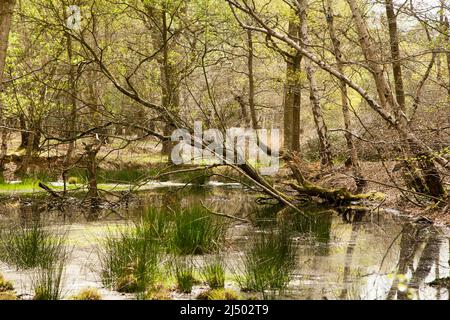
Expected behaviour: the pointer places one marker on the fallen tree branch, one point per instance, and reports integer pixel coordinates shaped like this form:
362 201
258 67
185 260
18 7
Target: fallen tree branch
224 215
334 196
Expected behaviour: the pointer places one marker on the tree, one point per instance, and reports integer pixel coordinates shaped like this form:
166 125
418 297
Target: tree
6 14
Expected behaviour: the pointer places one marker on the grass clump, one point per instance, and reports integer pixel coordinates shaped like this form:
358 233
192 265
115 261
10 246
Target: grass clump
157 292
47 284
88 294
219 294
5 285
129 259
27 248
8 295
197 231
268 264
214 274
184 274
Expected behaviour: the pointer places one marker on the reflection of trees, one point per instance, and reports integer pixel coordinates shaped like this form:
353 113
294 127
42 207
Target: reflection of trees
355 218
413 236
30 212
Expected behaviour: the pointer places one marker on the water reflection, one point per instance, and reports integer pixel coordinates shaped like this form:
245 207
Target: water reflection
338 254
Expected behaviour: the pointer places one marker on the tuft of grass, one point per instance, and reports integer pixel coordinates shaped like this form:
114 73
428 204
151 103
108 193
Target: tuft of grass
6 289
88 294
27 248
129 259
184 274
157 292
47 284
219 294
197 231
5 285
214 274
7 295
268 263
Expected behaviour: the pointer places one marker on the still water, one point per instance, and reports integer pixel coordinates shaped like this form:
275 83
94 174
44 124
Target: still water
336 255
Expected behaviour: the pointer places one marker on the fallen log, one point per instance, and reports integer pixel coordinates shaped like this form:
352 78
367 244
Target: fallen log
334 196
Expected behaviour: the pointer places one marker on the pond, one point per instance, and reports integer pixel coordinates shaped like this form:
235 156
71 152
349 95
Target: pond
277 254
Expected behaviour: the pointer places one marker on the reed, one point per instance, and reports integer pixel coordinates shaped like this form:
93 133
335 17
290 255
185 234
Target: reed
268 263
31 247
47 282
214 274
129 259
197 231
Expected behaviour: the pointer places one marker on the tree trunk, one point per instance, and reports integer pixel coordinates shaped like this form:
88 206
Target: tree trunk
245 118
163 41
447 54
395 56
321 127
251 82
358 176
72 102
292 98
6 14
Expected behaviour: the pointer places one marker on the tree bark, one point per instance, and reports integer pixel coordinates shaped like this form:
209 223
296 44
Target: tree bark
72 99
251 81
168 71
321 127
292 97
358 176
395 56
6 14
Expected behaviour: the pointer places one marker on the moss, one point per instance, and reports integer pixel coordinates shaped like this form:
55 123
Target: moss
219 294
8 295
158 292
73 180
88 294
5 285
